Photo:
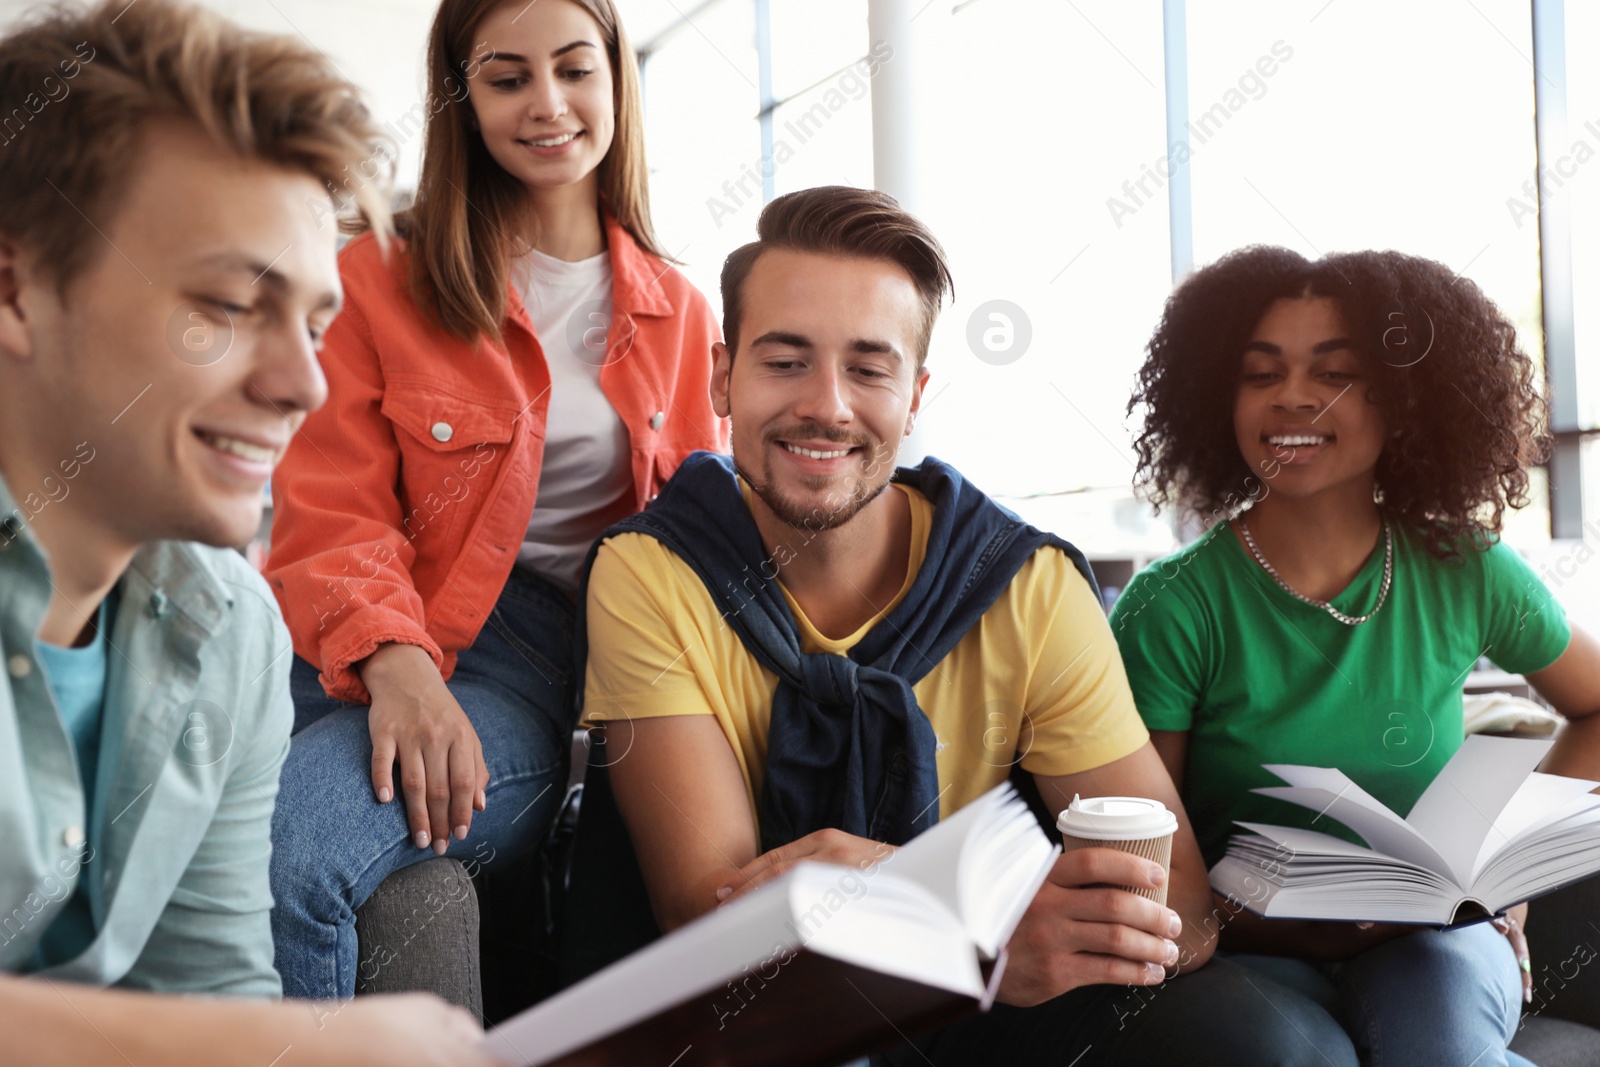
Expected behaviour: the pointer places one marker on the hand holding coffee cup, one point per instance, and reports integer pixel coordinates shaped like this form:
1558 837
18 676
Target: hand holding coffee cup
1128 824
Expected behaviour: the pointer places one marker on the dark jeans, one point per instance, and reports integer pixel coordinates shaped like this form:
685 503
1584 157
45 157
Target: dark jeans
1224 1015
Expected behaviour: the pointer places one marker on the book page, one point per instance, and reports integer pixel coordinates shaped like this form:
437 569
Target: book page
1001 876
985 863
1562 851
901 918
1488 832
1332 795
886 923
1542 801
1294 841
1458 811
933 858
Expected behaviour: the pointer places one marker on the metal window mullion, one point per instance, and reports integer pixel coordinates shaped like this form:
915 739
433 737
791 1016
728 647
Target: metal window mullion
1555 268
1180 204
825 79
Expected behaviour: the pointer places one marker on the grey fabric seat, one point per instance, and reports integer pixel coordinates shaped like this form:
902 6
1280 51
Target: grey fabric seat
419 931
1552 1042
477 938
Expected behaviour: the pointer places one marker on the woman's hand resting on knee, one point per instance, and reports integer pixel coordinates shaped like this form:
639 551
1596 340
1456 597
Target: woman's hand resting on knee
415 721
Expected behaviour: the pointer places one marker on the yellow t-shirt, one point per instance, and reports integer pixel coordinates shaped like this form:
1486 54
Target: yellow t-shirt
1038 680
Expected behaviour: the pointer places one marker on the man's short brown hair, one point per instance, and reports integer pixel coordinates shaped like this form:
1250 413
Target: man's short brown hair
838 220
78 88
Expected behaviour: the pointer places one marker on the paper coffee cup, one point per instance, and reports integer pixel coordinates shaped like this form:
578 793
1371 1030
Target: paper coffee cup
1128 824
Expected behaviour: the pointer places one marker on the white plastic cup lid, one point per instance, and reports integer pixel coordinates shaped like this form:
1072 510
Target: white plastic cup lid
1116 819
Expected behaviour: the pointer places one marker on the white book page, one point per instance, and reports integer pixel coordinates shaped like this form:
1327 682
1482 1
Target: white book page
1489 828
1458 812
1335 796
1285 855
1542 801
1565 851
1001 872
984 863
1309 842
933 858
1345 883
903 918
894 926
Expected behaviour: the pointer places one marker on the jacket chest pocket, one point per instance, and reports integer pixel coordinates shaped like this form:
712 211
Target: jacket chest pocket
449 451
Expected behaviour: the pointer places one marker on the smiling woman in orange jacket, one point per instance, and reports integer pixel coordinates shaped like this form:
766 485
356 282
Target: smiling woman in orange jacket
519 371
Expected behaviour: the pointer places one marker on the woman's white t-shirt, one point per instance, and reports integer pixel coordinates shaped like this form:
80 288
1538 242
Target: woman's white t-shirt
586 478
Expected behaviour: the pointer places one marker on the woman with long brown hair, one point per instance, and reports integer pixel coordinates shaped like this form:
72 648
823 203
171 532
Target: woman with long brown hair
523 370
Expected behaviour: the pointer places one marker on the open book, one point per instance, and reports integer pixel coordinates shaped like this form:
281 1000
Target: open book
823 964
1489 833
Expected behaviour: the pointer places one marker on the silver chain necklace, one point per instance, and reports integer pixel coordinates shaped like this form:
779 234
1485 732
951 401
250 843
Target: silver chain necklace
1348 620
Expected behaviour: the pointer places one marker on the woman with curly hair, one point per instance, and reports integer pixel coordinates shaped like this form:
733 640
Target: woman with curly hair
1351 431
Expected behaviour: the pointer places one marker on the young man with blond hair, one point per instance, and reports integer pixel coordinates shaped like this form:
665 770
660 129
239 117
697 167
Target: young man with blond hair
802 653
166 272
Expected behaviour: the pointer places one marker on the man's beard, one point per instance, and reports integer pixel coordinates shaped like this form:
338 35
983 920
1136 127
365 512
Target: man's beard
834 513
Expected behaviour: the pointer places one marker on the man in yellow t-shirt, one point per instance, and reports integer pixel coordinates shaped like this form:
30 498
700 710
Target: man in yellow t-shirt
1038 681
815 618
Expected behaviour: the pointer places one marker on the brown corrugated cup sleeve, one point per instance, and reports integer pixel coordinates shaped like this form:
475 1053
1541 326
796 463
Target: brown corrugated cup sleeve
1158 849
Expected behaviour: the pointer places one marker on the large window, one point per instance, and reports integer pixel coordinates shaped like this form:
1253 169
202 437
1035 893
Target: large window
1575 176
821 105
1045 165
1383 125
1371 124
719 146
1051 113
703 141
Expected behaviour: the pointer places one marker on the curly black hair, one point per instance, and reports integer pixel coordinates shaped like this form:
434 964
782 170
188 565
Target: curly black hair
1463 404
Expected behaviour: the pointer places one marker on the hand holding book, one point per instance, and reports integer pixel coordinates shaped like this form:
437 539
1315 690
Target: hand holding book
823 846
889 942
1077 931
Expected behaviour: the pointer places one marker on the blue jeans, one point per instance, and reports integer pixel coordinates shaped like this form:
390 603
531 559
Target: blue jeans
332 842
1430 999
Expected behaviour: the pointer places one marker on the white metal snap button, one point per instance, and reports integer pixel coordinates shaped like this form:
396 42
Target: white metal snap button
442 432
657 419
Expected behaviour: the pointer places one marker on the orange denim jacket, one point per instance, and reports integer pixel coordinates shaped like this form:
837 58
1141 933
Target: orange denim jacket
401 504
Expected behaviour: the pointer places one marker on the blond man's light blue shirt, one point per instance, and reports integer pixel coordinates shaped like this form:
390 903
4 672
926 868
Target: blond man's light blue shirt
172 848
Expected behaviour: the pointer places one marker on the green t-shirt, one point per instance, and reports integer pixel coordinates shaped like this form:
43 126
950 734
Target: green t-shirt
1215 647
